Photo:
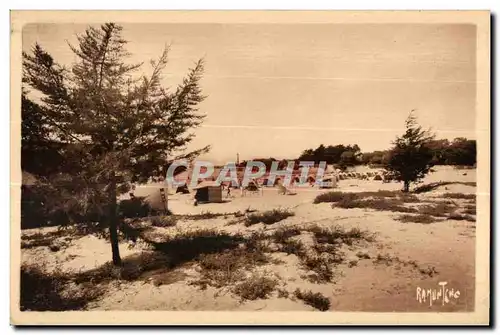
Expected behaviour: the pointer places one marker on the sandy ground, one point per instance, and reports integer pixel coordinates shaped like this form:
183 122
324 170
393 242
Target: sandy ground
447 246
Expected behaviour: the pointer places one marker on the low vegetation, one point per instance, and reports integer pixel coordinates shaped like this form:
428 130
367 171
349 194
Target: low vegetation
42 291
163 221
459 196
321 267
43 240
293 247
470 209
268 217
256 287
432 186
439 209
381 200
337 196
419 218
393 205
334 196
388 260
338 235
461 217
316 300
281 235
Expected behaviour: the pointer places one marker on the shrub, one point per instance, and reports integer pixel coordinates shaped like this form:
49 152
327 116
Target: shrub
220 269
363 254
49 292
459 196
316 300
282 234
431 186
461 217
420 218
42 240
283 293
136 207
294 247
440 209
470 209
163 221
408 198
348 197
325 247
429 271
377 177
268 217
334 196
47 205
255 287
203 216
338 234
393 205
321 268
385 259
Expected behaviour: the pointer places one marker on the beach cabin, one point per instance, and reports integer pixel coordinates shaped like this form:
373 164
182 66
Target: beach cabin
208 191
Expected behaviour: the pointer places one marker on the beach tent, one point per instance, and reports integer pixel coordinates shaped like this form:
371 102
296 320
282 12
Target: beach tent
208 191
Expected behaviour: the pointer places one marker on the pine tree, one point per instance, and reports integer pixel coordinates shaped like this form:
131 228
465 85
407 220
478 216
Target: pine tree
39 154
410 159
119 128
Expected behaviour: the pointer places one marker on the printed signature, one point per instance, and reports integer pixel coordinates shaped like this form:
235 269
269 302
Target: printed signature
441 293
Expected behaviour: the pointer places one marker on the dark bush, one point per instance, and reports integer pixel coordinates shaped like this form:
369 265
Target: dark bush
420 218
163 221
440 209
460 217
347 197
322 270
268 217
282 234
316 300
380 204
136 207
47 292
431 186
335 196
255 287
459 196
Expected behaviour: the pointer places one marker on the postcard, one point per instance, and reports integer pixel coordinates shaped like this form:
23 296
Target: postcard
250 167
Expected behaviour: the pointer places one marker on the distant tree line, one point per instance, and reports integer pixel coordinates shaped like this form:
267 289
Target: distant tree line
343 155
460 151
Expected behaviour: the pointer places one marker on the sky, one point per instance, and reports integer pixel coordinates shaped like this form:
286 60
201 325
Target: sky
275 90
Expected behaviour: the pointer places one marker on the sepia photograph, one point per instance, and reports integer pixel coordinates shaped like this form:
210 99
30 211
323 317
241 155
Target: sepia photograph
315 164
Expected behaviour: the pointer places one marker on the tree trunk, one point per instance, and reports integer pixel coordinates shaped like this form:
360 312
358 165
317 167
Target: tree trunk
113 232
406 188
